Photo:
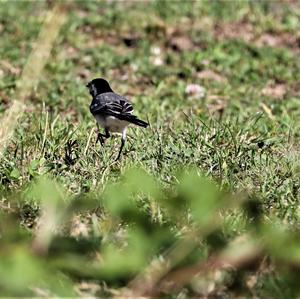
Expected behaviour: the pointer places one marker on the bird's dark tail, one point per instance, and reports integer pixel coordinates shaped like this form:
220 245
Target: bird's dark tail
139 122
134 120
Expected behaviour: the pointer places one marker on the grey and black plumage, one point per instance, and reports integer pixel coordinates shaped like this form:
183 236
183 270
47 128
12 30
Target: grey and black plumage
112 111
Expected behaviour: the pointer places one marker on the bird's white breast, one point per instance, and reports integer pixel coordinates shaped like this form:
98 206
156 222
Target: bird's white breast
111 123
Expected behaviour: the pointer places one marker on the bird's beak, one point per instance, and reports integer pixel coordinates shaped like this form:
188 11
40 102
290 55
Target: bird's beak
88 84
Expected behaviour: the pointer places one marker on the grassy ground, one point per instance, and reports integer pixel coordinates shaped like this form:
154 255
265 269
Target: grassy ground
243 133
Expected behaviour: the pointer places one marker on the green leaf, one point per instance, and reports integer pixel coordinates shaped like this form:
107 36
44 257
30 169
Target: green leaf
202 197
15 173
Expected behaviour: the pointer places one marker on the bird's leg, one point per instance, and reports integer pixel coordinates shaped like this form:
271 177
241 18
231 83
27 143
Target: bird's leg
100 136
122 143
121 148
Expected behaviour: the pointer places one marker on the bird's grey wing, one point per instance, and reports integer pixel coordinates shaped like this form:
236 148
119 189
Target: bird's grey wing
110 103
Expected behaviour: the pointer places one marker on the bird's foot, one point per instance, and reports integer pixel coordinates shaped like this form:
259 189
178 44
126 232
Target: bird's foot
100 139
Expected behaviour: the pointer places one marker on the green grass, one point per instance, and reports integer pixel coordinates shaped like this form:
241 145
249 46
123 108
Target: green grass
245 140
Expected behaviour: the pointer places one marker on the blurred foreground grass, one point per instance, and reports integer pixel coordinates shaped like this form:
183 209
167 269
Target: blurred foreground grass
184 243
214 210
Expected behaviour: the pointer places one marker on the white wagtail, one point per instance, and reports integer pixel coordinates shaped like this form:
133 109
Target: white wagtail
112 111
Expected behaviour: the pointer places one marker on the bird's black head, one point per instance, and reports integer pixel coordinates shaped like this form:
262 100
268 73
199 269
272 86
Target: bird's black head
98 86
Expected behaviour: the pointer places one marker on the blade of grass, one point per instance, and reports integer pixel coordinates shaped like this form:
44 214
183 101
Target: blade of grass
31 73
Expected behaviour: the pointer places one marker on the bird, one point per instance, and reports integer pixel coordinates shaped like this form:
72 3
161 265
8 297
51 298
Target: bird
112 111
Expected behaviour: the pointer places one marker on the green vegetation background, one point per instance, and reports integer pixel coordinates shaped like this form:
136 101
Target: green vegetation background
72 222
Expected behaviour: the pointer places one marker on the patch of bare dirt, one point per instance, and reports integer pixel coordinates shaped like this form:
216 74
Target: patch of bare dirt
235 30
282 39
4 100
99 39
180 43
295 89
274 90
247 32
178 37
211 75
